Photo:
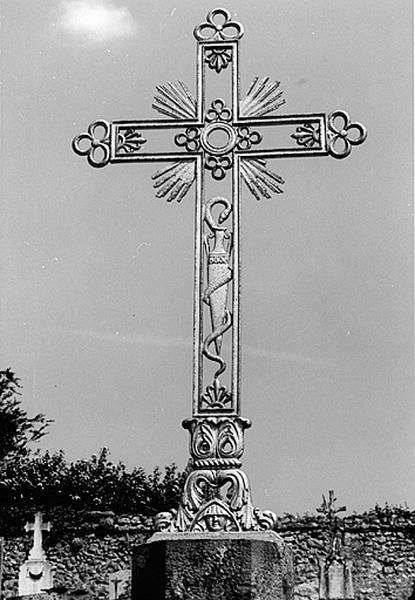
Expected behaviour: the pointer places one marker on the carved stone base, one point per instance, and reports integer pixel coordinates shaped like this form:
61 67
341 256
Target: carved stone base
216 495
207 566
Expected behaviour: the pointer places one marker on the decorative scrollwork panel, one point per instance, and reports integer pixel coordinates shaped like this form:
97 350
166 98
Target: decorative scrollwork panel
216 442
216 500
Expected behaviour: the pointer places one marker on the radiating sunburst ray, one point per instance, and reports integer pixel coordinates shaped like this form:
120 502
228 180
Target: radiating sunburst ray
261 98
175 180
175 100
260 180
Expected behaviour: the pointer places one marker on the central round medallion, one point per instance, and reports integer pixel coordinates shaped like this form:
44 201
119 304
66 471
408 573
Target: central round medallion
218 138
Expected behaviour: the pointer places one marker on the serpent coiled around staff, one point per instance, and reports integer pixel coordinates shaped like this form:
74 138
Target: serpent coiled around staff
211 338
223 275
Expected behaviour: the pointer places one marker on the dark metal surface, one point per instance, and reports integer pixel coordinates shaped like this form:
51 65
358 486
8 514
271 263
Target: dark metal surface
223 140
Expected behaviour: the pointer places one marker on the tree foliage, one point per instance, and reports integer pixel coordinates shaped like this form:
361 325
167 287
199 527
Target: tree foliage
17 430
45 480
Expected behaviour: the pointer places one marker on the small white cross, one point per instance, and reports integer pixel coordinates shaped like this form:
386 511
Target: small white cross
37 527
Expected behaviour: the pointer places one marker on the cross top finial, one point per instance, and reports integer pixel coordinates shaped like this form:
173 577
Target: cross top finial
37 552
218 27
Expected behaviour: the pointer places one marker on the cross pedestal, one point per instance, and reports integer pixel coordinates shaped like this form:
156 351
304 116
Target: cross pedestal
217 145
206 566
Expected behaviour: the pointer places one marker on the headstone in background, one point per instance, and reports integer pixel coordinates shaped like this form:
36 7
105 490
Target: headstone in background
119 583
35 574
336 582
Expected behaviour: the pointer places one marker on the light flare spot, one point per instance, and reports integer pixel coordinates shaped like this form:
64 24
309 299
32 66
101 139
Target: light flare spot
95 21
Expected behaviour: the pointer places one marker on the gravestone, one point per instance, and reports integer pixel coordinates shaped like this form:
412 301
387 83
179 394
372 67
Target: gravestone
119 584
336 580
336 577
35 574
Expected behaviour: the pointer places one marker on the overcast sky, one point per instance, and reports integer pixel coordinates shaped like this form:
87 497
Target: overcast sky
96 281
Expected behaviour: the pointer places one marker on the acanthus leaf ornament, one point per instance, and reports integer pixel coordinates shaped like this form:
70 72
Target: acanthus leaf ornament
307 135
216 397
216 442
218 58
217 500
216 495
129 140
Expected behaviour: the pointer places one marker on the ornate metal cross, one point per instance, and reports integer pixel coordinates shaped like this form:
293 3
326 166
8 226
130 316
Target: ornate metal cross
218 143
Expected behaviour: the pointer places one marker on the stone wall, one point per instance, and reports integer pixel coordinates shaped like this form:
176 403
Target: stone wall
380 545
85 549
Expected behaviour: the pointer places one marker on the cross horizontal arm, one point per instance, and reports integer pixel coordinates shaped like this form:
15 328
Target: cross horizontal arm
315 127
316 134
123 141
122 150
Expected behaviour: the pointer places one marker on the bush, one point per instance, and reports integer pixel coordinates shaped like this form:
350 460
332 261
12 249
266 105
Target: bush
44 481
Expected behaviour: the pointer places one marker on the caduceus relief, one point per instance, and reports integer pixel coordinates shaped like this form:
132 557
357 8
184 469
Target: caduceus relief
218 249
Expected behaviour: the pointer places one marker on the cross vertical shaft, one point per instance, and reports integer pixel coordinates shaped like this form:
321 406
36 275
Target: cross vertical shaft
218 143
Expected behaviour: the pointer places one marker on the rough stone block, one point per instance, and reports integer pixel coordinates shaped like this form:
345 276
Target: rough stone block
212 566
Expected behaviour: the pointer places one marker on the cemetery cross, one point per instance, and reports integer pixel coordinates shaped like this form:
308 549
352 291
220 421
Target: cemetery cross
222 142
37 553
